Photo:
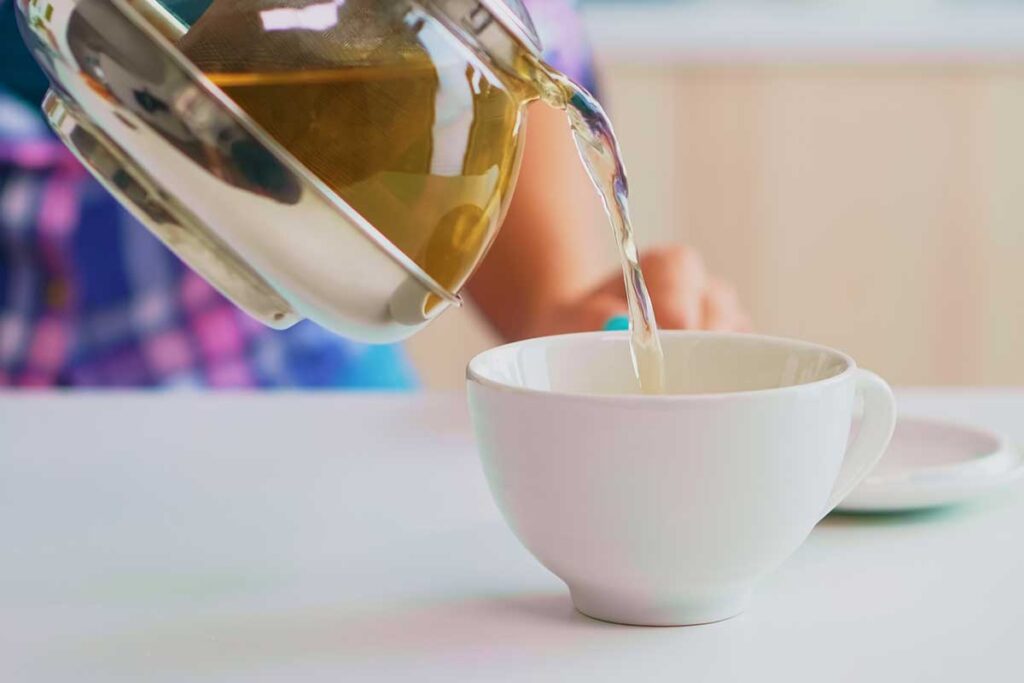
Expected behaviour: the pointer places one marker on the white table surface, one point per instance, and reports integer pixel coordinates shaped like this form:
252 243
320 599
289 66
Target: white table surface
333 538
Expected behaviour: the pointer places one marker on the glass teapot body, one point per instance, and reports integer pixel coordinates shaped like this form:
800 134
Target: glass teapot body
347 161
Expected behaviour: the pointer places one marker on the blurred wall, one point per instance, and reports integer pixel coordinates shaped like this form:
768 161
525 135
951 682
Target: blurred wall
878 208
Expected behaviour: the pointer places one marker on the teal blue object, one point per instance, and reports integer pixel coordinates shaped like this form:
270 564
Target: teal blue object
619 323
19 73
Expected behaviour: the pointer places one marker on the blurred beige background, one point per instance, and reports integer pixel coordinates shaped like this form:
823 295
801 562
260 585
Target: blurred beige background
877 206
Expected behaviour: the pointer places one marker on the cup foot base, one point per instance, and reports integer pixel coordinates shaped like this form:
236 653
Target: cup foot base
689 611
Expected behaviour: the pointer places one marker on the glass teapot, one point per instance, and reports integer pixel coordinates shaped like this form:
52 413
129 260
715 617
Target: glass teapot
346 161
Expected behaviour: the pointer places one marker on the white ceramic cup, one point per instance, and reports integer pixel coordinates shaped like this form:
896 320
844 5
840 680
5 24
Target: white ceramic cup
665 510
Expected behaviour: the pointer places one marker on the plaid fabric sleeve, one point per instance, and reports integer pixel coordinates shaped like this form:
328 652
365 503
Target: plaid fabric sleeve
89 298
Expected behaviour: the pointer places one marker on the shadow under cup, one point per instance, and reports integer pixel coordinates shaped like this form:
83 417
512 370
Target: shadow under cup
667 509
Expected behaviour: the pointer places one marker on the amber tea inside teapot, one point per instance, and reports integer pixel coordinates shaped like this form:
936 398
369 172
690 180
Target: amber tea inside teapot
412 129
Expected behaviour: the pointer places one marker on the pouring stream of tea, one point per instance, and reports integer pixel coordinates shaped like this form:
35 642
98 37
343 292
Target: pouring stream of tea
599 150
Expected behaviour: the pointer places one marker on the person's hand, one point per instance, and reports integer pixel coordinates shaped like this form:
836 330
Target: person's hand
684 294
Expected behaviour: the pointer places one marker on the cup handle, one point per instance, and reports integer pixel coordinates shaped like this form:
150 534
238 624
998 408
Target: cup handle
875 433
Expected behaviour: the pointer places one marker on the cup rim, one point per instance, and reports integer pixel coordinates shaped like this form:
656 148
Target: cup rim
473 375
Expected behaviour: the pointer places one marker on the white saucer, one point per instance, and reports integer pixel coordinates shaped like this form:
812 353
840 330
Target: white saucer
934 462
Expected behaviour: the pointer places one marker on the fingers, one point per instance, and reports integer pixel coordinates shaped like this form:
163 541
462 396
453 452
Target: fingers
684 296
591 313
594 312
722 310
678 282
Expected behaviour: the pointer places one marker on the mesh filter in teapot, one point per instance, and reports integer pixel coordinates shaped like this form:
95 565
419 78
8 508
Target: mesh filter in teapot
412 129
